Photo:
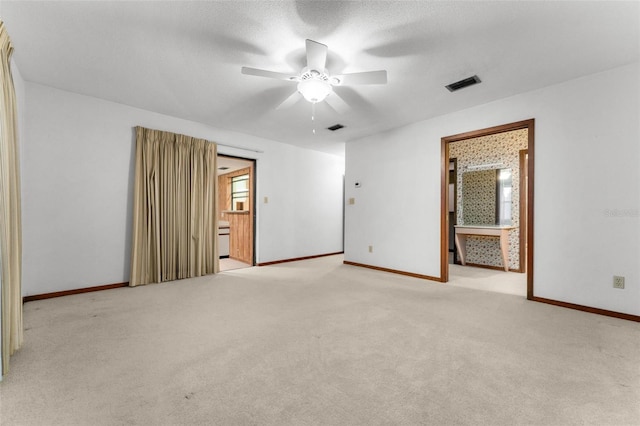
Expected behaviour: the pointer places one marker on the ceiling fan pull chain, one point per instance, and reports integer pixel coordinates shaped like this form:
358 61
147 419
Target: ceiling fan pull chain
313 116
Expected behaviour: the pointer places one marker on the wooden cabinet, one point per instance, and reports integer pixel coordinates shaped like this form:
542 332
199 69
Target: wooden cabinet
240 236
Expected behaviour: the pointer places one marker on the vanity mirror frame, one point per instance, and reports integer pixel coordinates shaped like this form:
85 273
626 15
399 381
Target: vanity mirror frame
526 222
482 198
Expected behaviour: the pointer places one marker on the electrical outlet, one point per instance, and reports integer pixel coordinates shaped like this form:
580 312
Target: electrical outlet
370 249
618 282
266 200
352 201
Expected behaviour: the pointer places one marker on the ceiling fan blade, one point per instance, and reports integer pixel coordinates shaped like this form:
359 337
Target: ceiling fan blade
290 101
368 77
337 103
268 74
316 55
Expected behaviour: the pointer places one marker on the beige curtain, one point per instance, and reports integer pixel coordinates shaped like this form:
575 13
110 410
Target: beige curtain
10 223
174 208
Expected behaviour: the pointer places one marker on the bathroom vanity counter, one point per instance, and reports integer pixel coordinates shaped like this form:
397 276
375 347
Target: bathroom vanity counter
500 231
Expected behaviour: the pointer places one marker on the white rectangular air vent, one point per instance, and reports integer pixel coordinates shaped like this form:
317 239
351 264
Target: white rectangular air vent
463 83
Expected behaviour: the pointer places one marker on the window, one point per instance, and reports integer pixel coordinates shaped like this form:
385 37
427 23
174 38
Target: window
504 197
240 193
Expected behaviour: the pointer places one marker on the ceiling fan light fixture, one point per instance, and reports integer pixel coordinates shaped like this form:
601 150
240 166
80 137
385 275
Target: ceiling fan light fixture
314 90
315 83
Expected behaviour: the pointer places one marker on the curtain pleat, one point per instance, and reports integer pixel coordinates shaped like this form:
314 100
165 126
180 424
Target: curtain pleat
10 212
174 219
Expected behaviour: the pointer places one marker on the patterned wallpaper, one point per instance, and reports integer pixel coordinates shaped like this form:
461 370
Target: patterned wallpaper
479 195
501 148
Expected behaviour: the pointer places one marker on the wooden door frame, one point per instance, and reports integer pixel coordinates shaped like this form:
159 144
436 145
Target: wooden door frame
444 199
455 205
252 197
522 263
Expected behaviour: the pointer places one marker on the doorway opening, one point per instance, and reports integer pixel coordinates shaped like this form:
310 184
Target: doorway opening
236 212
500 203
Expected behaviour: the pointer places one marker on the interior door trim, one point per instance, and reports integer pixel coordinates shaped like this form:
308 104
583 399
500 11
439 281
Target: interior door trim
444 191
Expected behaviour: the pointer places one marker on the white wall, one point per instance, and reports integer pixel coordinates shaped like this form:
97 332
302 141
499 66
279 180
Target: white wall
587 189
77 184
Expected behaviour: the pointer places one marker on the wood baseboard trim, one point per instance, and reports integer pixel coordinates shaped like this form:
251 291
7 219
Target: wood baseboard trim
295 259
496 268
589 309
394 271
33 297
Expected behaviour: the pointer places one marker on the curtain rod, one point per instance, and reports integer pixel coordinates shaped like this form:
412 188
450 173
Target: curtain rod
241 148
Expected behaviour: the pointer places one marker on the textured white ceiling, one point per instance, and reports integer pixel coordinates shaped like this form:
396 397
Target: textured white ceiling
183 58
231 164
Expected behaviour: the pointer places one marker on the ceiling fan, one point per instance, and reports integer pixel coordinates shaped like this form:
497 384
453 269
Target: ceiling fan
315 83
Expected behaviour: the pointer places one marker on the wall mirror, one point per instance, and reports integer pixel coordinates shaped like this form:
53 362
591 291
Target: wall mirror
486 197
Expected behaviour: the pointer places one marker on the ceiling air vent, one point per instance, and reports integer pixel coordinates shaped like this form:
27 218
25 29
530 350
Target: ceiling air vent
335 127
463 83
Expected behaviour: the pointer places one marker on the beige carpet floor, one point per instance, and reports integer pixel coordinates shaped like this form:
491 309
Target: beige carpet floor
488 280
228 264
318 343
